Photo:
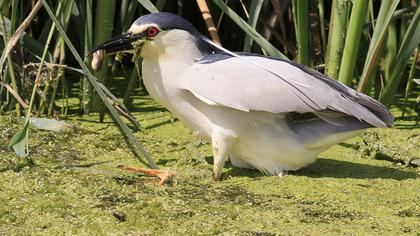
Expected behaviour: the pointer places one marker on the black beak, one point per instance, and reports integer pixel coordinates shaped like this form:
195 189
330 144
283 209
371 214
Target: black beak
118 44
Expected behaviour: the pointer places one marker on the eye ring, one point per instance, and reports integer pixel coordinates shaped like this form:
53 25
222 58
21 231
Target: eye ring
152 31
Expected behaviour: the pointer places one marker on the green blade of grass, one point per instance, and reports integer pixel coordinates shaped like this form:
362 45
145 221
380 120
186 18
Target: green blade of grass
19 141
123 127
9 58
128 18
254 12
87 90
391 49
14 15
60 54
351 46
409 85
148 5
64 14
160 4
301 21
104 25
405 5
378 38
410 42
336 36
321 12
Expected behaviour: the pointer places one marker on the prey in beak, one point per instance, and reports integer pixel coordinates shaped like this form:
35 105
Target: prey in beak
126 42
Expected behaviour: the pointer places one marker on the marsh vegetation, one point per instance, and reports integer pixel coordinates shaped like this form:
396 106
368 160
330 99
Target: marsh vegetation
67 182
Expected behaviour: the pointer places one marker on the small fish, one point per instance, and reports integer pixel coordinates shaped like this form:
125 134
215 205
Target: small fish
97 59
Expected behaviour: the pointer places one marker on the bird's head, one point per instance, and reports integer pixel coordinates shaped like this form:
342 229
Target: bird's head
157 34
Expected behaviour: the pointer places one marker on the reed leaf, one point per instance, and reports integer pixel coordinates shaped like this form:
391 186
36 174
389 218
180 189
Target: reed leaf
321 12
148 5
254 13
301 15
351 46
391 49
409 85
378 38
129 15
104 24
410 42
87 90
260 40
59 13
19 141
13 82
14 15
60 54
336 36
160 4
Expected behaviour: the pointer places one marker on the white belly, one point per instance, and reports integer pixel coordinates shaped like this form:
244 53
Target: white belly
263 140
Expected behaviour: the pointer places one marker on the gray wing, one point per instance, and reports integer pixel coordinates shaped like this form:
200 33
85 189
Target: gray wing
288 87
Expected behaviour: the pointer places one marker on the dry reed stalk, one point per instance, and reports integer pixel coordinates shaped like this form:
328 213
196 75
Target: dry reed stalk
18 33
209 21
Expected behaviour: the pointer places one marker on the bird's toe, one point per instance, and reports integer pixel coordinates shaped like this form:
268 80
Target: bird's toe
282 173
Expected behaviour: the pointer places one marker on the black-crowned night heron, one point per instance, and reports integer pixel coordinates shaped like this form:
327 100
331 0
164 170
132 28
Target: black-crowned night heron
261 112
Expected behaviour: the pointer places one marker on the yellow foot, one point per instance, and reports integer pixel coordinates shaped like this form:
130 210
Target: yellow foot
163 175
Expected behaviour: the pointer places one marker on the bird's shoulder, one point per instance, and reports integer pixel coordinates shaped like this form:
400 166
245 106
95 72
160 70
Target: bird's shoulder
250 66
220 56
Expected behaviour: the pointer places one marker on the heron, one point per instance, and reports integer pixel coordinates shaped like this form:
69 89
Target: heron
260 112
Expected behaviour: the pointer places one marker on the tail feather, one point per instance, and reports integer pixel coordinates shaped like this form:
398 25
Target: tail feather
367 102
320 134
376 108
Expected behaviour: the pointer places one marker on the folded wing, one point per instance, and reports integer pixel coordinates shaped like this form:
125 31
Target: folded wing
220 79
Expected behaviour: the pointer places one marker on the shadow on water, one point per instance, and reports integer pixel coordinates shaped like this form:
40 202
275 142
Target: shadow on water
350 145
148 109
410 126
18 167
328 168
88 165
236 171
170 121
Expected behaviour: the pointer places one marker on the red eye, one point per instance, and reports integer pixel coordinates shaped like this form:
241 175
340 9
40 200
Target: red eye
152 31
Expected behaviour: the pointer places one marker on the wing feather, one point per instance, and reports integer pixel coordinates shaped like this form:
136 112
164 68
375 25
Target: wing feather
285 87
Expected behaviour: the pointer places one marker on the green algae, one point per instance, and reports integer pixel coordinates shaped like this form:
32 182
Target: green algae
74 186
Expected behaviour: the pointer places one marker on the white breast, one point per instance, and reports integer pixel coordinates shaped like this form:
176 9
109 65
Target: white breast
160 78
